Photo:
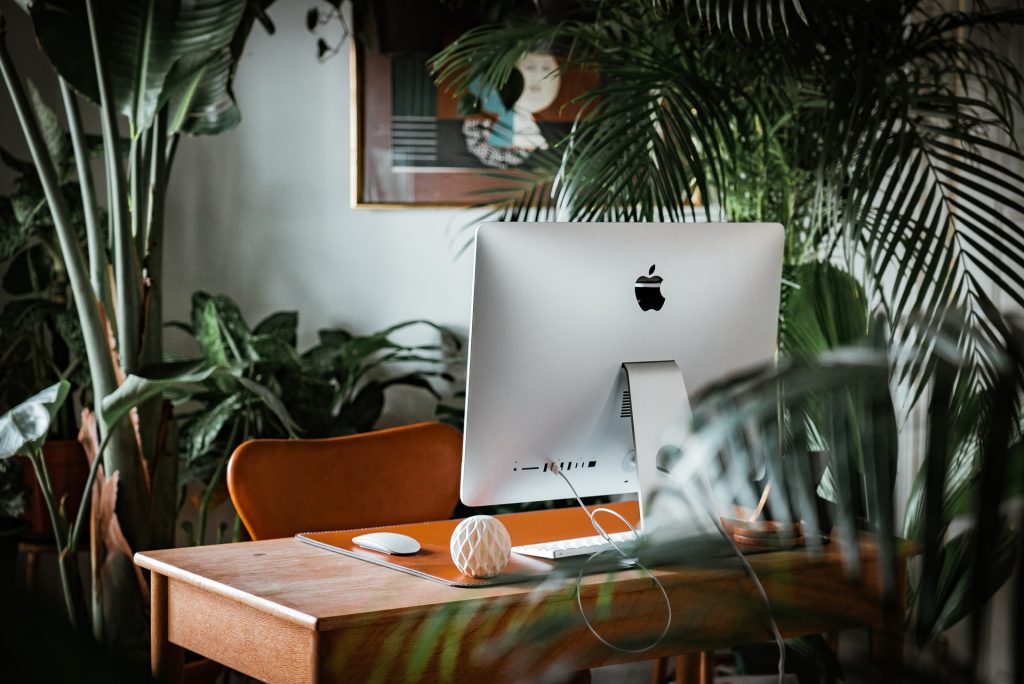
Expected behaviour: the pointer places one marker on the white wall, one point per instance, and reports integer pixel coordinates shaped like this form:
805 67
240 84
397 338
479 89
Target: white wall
263 212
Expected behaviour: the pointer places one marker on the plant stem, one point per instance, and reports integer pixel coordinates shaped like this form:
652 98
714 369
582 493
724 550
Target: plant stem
139 184
95 237
152 333
150 239
100 364
204 504
124 456
76 529
126 265
43 477
236 529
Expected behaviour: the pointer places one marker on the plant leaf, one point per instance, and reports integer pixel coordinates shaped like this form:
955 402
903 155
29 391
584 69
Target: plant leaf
273 402
181 379
283 325
23 429
203 431
956 573
150 48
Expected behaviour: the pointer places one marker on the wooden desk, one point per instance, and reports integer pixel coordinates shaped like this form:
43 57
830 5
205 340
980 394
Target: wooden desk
285 611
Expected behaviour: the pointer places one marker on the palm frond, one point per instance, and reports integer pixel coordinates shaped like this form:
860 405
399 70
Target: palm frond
880 133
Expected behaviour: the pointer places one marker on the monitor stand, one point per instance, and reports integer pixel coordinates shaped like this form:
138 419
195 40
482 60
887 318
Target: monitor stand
660 414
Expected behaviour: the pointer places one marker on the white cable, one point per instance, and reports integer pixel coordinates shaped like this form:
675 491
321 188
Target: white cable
632 561
586 620
753 577
721 530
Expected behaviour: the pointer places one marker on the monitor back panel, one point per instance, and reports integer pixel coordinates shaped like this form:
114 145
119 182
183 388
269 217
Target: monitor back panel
558 307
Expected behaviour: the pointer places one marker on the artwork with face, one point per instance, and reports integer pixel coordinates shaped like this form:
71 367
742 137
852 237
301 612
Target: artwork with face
503 136
418 144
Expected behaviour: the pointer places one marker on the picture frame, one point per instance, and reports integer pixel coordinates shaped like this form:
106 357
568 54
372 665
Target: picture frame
412 146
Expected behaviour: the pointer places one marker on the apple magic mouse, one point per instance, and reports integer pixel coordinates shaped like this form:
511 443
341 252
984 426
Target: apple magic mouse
388 542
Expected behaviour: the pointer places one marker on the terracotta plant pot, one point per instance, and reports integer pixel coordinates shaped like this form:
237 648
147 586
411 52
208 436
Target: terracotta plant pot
68 469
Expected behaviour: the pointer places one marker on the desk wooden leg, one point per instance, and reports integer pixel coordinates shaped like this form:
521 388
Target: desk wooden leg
166 659
696 668
707 667
887 638
659 669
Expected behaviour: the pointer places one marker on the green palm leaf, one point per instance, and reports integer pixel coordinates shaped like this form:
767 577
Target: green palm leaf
871 129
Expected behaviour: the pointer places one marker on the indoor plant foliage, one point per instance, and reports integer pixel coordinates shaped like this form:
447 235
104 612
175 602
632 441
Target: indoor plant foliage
870 130
769 421
23 431
265 387
166 69
40 338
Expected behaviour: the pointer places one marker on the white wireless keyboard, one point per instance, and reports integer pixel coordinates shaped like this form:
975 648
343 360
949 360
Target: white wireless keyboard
566 548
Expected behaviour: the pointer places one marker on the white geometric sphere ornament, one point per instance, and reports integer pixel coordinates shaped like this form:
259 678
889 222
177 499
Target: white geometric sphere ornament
481 546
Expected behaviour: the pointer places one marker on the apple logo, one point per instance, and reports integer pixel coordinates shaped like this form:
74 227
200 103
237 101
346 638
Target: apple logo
648 291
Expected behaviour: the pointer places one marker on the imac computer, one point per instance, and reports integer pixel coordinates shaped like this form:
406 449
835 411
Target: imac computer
585 339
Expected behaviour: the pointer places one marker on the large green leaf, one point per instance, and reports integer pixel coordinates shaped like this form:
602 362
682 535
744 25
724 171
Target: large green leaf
957 572
826 310
208 334
174 380
23 429
963 500
204 429
272 402
219 329
283 325
150 48
202 103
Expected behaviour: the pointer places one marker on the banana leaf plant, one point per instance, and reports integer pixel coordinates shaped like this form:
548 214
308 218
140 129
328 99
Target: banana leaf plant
336 387
163 68
40 338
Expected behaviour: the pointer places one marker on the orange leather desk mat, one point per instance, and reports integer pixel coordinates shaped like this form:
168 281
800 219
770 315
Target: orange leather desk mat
434 561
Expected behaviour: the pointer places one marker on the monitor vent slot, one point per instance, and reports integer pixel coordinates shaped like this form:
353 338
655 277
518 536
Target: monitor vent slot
627 405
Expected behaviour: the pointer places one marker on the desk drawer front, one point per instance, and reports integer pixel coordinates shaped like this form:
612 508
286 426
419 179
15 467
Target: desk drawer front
243 638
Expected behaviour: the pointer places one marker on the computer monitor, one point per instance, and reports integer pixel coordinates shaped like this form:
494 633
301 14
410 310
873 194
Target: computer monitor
558 308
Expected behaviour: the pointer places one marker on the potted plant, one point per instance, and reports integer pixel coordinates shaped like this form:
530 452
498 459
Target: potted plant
40 339
266 387
169 73
23 432
746 111
858 126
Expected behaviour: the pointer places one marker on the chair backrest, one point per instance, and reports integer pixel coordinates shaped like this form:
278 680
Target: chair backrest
281 487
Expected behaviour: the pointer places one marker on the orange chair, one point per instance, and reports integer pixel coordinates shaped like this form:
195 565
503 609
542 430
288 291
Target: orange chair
281 487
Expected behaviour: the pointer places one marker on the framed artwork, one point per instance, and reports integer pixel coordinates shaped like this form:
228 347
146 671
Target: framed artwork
414 144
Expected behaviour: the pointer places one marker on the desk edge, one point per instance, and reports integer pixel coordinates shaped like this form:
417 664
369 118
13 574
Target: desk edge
172 572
